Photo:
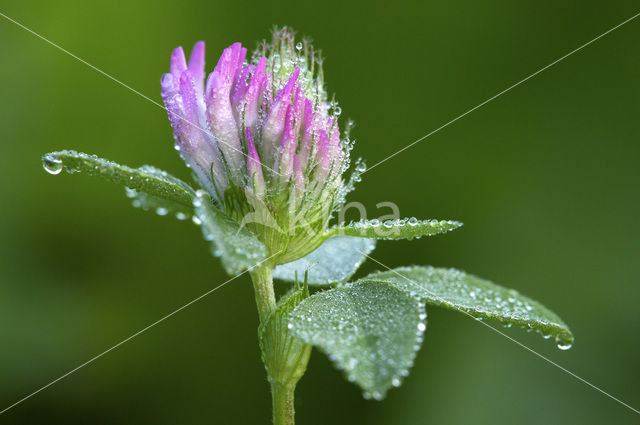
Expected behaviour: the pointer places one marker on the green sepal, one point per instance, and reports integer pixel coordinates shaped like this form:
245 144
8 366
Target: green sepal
290 233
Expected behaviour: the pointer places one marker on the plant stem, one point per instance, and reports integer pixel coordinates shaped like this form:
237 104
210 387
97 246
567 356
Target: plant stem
263 288
283 412
285 357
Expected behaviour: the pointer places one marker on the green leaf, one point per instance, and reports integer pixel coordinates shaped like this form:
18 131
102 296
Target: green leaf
238 248
396 229
479 298
147 179
336 260
160 206
371 330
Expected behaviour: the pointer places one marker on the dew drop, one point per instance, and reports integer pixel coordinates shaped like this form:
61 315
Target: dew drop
52 165
413 221
563 344
162 211
299 46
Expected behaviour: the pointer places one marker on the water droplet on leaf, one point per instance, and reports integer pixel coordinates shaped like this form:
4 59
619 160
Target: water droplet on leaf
52 165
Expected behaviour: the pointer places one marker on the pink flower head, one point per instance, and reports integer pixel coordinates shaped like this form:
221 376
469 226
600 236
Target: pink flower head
262 124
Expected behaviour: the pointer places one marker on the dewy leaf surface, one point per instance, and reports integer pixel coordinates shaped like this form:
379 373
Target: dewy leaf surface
456 290
238 248
147 179
160 206
369 329
406 228
336 260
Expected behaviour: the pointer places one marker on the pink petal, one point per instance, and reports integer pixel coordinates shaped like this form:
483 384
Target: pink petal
323 156
307 133
254 166
196 66
275 122
219 110
178 63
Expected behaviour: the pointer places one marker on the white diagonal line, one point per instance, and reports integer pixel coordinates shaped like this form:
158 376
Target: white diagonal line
95 68
501 93
133 336
508 337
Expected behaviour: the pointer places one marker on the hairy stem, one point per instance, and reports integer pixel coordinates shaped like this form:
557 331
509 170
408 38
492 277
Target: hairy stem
283 412
285 358
263 288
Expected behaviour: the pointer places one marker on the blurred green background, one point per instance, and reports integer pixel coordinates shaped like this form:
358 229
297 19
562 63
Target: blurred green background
545 179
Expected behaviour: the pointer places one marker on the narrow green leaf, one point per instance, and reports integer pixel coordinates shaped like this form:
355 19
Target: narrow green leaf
238 248
336 260
160 206
396 229
147 179
371 330
480 298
